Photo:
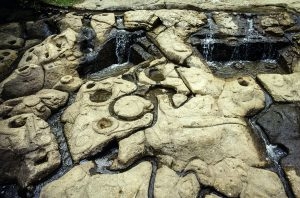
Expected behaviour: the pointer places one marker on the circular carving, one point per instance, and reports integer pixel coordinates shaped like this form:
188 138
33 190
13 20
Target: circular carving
132 107
66 79
100 95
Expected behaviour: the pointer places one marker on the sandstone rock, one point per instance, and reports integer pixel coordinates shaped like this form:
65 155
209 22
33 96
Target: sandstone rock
79 182
195 129
39 104
130 149
169 184
195 61
276 31
212 196
294 179
233 178
172 46
103 24
200 82
165 74
7 57
179 99
68 83
89 124
70 20
283 88
231 5
29 151
8 41
24 81
132 107
241 97
140 19
59 55
263 183
226 23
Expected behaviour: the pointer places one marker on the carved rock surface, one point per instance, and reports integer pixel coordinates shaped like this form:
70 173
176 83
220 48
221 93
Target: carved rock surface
24 81
89 125
7 57
79 182
29 151
169 184
103 24
68 83
39 104
59 55
70 20
283 88
294 179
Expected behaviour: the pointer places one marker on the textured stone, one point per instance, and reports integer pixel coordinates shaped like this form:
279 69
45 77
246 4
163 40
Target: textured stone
232 5
226 24
89 125
294 179
70 20
233 178
131 107
165 74
200 82
79 182
59 55
24 81
103 24
169 184
140 19
39 104
68 83
179 99
8 41
7 57
282 125
29 151
283 88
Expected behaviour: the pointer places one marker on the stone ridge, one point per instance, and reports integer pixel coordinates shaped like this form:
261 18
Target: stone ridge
230 5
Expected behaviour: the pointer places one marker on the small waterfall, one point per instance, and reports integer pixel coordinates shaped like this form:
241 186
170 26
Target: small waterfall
274 152
208 42
122 46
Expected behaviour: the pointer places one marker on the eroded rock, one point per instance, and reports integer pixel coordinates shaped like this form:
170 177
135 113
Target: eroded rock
59 55
80 182
68 83
283 88
294 179
29 151
89 124
25 80
103 24
7 57
169 184
39 104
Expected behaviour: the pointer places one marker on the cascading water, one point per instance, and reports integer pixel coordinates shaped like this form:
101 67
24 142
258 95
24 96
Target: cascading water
122 46
274 152
208 42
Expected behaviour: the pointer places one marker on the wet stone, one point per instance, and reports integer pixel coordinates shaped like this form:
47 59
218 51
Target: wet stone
282 123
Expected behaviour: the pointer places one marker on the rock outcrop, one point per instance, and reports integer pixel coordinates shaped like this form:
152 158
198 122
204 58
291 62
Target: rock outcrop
89 125
82 182
41 104
29 151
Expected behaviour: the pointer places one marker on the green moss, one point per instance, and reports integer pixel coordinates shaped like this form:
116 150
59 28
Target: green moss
62 2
